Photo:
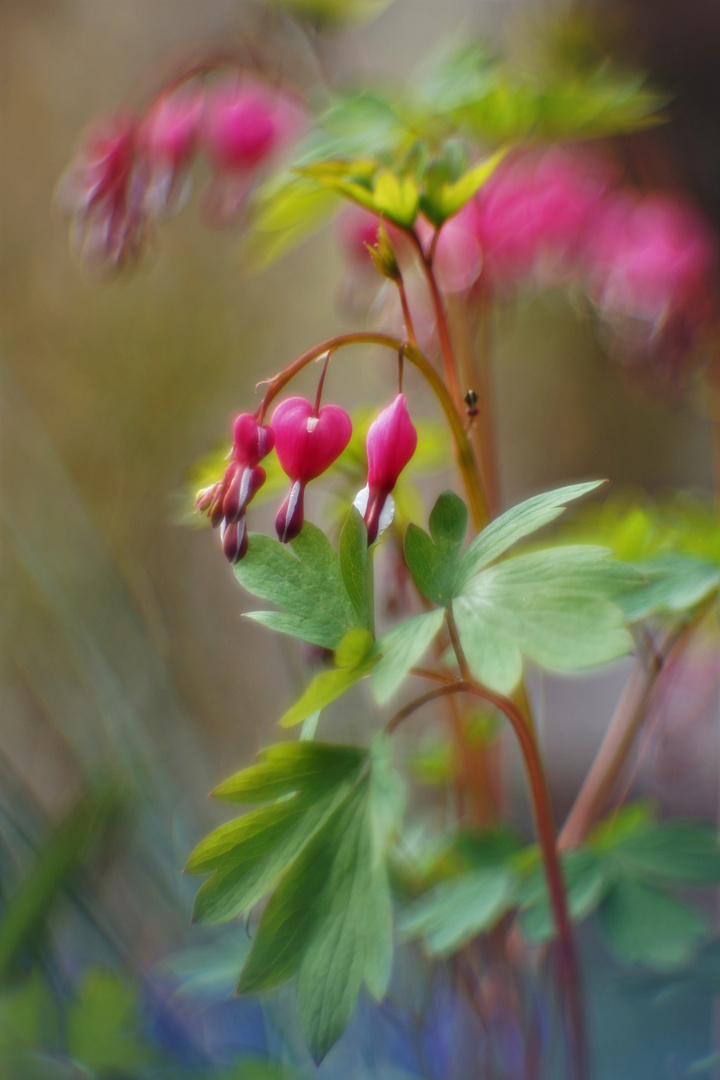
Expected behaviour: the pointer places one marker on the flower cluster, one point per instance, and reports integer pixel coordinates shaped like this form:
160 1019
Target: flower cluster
308 439
227 501
134 169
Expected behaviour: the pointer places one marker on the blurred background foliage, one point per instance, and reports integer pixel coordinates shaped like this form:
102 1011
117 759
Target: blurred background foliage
129 682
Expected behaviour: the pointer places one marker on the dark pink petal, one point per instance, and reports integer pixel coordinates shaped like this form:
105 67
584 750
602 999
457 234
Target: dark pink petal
391 442
307 445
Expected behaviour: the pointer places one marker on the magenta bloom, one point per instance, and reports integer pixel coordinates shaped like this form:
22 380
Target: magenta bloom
306 445
647 256
167 140
391 442
530 216
227 501
239 126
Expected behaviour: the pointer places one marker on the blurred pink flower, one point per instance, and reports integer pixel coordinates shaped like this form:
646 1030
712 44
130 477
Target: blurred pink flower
646 256
167 139
530 216
244 124
105 188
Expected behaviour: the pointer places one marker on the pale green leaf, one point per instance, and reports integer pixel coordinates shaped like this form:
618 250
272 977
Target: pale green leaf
643 925
553 606
676 582
102 1025
355 569
457 910
433 560
402 648
516 523
305 581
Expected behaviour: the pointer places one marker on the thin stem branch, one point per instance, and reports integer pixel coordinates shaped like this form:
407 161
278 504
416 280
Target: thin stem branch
446 348
629 716
463 450
407 316
569 970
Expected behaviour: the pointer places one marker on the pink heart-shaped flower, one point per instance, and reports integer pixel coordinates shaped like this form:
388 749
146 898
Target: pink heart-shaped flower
307 445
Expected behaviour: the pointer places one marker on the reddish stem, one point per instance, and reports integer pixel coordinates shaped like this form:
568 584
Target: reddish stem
568 966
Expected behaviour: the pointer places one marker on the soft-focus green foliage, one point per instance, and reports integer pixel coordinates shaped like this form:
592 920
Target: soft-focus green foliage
626 872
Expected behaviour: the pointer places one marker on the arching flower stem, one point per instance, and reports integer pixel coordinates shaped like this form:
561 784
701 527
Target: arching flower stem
463 450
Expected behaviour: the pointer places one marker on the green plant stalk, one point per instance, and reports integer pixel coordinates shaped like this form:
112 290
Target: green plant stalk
568 965
463 450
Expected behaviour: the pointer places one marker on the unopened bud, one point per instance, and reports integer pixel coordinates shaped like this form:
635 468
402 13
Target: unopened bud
290 517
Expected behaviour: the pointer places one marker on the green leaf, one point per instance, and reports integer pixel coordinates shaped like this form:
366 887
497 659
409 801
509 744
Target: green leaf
396 198
306 581
28 1017
433 560
442 201
354 567
250 854
521 520
402 648
103 1030
284 214
457 910
288 767
553 606
644 925
676 582
354 661
587 878
330 919
679 851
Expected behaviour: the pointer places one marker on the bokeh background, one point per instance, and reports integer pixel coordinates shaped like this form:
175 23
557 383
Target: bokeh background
129 678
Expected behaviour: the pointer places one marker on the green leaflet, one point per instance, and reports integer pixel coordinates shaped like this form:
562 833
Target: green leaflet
554 606
677 582
306 582
354 660
355 568
330 919
402 648
434 560
457 910
643 925
587 880
310 780
514 524
684 852
442 200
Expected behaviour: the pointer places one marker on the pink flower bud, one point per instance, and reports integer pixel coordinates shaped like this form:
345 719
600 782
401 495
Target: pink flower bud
239 128
252 441
291 515
306 445
235 540
244 485
391 442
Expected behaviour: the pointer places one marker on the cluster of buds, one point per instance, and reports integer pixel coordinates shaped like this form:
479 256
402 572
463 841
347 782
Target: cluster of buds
308 439
135 169
227 501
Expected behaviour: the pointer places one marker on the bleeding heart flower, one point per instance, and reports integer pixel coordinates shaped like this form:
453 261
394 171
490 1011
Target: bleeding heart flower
391 442
306 445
